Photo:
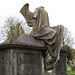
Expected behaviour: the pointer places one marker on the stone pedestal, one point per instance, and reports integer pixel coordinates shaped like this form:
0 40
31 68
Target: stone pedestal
16 59
61 67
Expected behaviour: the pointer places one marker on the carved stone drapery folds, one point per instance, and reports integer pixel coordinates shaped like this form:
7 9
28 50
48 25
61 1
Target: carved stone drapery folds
51 36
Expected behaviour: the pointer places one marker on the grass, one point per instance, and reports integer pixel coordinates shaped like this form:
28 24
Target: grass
69 71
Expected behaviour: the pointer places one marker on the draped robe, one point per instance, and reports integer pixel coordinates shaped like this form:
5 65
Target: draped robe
52 36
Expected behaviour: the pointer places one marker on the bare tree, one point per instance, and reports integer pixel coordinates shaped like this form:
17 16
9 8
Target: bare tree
67 38
11 22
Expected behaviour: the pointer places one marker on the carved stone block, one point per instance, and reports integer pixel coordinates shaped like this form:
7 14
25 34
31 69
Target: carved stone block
21 60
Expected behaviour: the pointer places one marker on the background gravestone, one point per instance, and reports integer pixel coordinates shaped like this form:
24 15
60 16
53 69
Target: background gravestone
73 68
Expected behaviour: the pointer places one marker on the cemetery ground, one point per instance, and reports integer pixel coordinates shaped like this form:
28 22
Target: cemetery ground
69 70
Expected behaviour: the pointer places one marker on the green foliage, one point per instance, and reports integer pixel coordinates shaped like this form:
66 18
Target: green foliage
15 31
68 68
73 54
69 53
69 71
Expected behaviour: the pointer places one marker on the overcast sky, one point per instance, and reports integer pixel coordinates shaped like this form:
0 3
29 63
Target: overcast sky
59 11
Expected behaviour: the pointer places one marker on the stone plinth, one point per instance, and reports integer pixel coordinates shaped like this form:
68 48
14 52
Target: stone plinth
16 59
61 67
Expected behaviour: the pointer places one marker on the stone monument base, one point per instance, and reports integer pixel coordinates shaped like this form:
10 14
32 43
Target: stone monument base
17 59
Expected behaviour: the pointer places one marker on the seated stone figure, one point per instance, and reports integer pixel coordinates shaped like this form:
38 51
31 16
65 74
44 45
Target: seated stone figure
42 34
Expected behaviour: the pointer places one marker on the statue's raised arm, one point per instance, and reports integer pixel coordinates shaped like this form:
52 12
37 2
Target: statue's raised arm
27 15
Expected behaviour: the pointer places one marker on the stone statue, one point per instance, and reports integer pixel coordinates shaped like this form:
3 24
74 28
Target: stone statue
52 37
42 35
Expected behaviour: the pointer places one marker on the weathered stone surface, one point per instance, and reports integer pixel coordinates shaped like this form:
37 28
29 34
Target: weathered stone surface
16 59
27 40
61 67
